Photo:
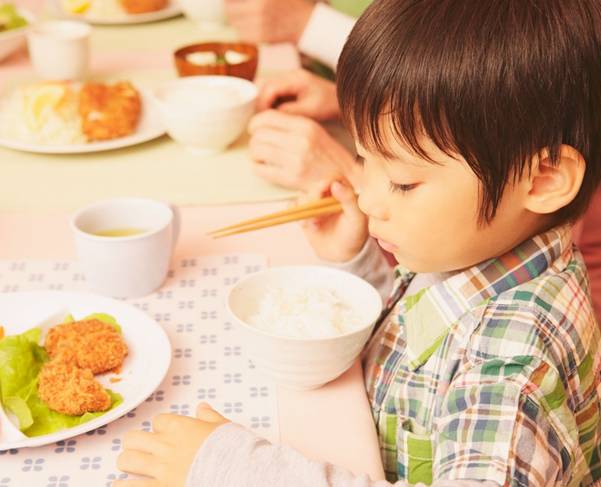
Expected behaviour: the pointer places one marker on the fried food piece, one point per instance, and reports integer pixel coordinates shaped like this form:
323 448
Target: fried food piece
88 344
1 332
109 111
67 389
143 6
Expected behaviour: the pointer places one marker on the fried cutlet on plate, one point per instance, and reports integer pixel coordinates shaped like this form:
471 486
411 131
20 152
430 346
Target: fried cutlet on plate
71 390
109 111
88 344
143 6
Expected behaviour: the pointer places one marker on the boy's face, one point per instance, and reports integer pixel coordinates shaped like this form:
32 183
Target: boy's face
426 214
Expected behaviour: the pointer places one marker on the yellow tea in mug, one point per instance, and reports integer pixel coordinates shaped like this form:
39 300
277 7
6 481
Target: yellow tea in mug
119 232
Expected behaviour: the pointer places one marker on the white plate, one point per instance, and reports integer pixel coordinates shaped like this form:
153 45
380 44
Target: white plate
149 127
142 372
172 10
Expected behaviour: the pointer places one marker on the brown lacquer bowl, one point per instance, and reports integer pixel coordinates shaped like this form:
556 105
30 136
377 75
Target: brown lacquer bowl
230 59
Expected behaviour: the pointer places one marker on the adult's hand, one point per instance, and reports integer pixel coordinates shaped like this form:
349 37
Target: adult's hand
304 93
296 152
269 20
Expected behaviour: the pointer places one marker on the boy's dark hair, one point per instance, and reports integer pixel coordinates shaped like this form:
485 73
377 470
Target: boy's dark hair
496 81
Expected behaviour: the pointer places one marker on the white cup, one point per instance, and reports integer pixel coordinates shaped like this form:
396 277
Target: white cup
60 49
210 14
135 263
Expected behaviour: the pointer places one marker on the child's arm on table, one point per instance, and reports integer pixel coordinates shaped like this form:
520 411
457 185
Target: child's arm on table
211 452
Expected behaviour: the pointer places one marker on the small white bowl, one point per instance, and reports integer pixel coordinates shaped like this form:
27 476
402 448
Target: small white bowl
206 113
303 363
14 39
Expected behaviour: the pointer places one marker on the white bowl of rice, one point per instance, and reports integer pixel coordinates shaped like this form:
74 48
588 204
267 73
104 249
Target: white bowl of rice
206 113
304 325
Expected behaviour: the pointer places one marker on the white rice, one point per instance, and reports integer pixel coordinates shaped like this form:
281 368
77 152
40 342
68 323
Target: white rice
58 129
305 313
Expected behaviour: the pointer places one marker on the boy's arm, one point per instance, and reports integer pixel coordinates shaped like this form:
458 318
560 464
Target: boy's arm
370 264
233 457
507 420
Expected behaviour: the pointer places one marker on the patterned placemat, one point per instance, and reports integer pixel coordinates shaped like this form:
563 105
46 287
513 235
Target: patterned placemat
208 364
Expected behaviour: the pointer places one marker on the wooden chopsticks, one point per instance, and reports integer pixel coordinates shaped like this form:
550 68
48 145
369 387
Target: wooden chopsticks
324 206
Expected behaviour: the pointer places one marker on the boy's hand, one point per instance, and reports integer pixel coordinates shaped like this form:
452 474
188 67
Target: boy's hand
166 455
305 93
338 237
296 152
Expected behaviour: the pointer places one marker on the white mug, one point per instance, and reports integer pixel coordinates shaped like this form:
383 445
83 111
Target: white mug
60 49
125 245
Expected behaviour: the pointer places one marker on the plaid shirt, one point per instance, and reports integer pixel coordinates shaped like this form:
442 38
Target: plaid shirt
492 374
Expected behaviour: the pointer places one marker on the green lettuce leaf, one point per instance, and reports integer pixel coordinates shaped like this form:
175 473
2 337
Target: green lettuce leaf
10 18
47 421
21 358
105 319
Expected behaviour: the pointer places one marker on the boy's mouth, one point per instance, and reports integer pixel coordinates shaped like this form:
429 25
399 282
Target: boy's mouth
387 246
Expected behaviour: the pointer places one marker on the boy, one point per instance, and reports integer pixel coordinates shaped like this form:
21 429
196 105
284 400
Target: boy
478 126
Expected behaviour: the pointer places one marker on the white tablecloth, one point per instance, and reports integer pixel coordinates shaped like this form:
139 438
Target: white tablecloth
208 364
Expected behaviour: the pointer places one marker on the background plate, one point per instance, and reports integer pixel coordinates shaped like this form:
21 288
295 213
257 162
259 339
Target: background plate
149 127
172 10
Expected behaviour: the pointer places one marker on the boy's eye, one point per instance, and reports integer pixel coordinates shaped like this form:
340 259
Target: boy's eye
403 188
359 159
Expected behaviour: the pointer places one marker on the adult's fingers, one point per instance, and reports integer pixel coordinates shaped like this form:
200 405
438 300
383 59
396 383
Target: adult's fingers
270 154
299 106
280 149
275 174
272 90
289 142
279 120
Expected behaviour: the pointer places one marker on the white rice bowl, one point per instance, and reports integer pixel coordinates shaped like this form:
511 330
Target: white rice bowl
304 325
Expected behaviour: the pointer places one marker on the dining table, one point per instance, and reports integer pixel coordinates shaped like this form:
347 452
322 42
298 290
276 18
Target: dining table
38 197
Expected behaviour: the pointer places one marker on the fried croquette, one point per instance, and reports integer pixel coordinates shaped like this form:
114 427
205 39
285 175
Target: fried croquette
143 6
89 344
109 111
68 389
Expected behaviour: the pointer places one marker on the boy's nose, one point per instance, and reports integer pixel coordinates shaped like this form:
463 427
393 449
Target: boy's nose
371 201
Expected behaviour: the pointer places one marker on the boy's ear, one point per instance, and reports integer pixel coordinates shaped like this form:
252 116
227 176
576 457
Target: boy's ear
552 186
